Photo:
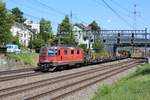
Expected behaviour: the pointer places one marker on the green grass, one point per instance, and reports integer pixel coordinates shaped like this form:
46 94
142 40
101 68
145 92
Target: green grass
102 54
134 87
27 58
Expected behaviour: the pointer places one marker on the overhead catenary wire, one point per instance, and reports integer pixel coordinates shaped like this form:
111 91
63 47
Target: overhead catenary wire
51 8
127 11
115 12
30 7
58 11
46 6
38 18
120 6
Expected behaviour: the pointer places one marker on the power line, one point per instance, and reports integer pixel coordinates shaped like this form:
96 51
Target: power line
29 15
38 18
115 12
125 9
117 4
98 3
51 8
58 11
30 7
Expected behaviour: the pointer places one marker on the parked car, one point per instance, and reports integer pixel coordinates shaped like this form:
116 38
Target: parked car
13 48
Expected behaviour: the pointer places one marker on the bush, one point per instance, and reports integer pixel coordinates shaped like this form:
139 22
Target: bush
84 47
98 46
27 58
37 43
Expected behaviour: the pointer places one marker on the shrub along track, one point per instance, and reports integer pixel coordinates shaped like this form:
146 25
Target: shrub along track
60 86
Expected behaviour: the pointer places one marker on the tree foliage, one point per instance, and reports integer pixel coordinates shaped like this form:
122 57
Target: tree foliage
83 46
65 32
15 40
98 45
94 26
6 21
45 30
18 15
37 43
65 25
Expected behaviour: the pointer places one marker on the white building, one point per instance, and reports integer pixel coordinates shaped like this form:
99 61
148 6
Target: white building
23 33
83 35
34 26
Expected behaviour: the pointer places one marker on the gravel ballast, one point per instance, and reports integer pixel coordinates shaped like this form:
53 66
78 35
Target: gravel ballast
80 95
89 92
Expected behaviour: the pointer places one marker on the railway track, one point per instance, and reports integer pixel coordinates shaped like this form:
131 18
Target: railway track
16 71
71 87
23 91
17 74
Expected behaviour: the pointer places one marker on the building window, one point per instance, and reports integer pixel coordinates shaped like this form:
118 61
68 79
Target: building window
21 35
24 41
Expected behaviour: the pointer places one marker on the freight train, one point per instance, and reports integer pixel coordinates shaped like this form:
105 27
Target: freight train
52 58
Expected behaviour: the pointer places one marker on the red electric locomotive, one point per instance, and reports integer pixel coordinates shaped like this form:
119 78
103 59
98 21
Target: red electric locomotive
54 57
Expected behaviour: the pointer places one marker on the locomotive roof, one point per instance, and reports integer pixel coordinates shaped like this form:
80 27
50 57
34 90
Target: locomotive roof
55 47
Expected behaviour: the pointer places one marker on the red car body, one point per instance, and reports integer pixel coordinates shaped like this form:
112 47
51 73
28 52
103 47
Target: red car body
52 57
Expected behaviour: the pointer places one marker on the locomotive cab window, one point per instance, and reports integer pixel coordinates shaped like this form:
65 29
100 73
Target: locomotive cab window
52 52
72 51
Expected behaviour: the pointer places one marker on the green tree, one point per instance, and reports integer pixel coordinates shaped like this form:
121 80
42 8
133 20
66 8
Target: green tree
18 15
45 30
15 40
94 26
65 32
84 46
98 46
6 21
37 44
66 25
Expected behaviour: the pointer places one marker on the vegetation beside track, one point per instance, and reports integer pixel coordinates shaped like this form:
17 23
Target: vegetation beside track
102 54
136 86
26 58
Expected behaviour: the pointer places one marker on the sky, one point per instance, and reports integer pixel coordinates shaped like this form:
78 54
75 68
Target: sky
119 14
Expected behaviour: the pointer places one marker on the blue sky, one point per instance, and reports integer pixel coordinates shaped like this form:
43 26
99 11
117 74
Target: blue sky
86 11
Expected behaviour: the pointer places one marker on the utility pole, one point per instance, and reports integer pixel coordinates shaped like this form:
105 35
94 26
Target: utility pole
135 17
134 24
135 13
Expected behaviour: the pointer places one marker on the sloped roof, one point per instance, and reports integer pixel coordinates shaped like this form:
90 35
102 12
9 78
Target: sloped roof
83 27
